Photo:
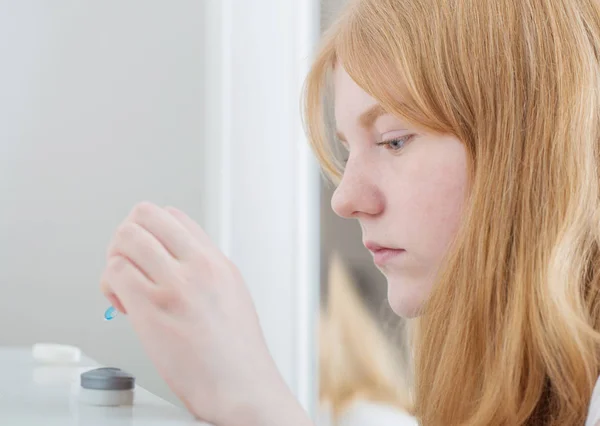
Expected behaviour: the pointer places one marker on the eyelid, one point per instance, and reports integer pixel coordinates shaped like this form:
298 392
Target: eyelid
406 137
394 134
396 138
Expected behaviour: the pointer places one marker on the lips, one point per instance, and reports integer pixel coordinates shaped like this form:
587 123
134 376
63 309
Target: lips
383 254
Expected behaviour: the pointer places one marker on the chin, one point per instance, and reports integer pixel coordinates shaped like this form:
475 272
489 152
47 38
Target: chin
405 298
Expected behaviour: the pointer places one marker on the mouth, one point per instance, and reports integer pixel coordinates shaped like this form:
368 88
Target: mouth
382 254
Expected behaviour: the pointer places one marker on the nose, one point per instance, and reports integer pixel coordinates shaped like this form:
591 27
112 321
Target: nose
357 195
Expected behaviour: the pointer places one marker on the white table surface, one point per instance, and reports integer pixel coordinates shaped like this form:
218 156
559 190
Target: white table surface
34 394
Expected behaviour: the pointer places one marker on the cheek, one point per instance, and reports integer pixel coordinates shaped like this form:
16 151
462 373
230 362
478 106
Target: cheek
436 198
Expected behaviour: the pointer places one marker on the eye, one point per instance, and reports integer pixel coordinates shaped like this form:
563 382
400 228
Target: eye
396 144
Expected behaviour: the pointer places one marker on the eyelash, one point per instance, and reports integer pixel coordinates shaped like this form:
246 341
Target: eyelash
404 139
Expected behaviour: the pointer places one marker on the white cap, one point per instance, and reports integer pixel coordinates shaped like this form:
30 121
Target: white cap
53 353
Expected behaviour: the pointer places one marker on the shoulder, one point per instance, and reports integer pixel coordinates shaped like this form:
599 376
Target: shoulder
367 413
593 418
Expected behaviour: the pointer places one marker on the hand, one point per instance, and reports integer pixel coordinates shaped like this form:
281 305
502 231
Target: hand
193 314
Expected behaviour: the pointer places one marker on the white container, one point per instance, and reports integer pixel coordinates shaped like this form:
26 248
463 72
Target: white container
107 387
106 398
53 353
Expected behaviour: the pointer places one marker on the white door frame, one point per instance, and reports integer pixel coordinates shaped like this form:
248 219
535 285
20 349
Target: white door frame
261 197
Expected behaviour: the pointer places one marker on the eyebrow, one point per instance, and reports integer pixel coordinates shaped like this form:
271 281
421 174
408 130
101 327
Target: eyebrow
366 119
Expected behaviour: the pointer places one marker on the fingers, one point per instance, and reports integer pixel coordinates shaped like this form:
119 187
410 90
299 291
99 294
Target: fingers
123 278
137 244
146 254
115 302
190 225
174 237
127 287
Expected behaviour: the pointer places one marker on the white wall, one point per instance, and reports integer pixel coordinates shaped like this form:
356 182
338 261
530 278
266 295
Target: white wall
188 103
263 202
100 107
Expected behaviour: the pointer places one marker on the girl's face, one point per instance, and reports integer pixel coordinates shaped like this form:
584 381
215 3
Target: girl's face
405 186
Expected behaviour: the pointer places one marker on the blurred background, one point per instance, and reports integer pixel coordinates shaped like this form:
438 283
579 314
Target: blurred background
190 103
344 236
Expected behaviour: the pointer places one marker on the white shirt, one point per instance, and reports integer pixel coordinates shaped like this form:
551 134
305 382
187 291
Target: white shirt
594 410
365 413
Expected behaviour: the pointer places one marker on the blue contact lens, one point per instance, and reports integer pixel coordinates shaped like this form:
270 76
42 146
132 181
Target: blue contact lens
110 313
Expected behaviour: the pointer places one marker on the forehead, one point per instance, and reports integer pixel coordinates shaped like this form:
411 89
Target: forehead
350 100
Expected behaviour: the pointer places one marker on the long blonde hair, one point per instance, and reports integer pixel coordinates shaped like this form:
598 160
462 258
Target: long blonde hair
356 360
509 335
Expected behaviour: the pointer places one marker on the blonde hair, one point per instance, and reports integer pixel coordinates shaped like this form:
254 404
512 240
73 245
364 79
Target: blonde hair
509 335
356 359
